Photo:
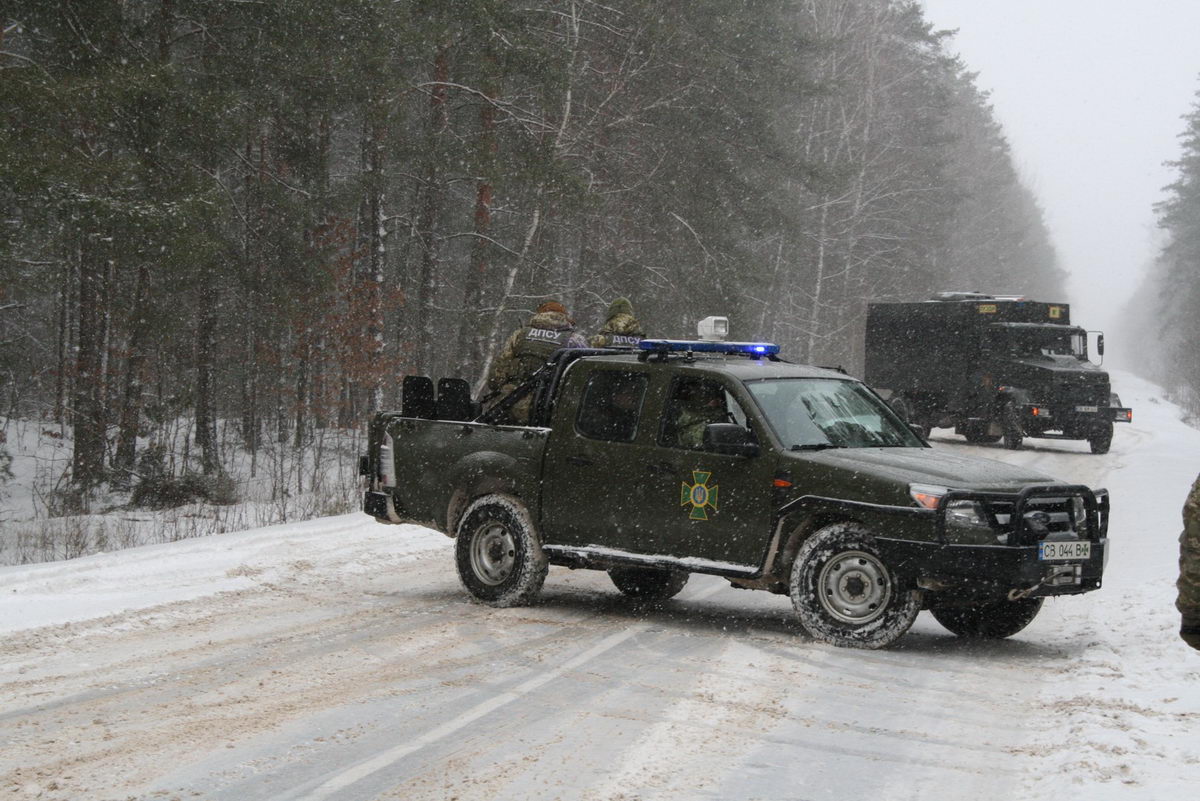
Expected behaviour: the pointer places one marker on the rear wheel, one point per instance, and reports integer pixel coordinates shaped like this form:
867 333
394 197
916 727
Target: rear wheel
846 594
1014 432
977 431
648 583
498 554
992 621
1101 437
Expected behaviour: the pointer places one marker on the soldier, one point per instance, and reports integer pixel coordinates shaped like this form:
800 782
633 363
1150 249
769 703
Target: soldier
528 348
621 330
1188 602
702 403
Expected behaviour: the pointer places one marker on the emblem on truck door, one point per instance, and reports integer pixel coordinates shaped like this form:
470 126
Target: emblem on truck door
698 495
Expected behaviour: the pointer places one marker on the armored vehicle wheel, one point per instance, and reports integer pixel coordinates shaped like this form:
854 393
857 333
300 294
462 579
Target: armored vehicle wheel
844 592
1101 437
977 432
1014 432
648 583
903 408
992 621
497 552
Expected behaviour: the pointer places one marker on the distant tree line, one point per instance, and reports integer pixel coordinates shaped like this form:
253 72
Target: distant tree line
267 212
1166 309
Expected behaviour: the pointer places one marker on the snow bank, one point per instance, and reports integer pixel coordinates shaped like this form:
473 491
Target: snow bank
138 578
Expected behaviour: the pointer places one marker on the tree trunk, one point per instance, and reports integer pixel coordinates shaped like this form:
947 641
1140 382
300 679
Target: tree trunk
431 212
131 400
206 424
87 463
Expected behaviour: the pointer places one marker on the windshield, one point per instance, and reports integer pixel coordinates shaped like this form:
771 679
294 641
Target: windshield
1044 341
815 413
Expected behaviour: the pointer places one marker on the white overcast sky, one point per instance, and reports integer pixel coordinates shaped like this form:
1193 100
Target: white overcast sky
1091 94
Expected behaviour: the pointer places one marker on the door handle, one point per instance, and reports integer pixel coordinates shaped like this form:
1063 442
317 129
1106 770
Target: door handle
660 468
582 461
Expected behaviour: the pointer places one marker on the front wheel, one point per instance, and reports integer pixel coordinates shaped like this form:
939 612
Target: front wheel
992 621
498 554
648 583
1101 438
846 594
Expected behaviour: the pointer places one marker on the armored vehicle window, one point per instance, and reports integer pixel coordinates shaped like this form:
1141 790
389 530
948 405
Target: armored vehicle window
1047 340
813 413
611 405
694 403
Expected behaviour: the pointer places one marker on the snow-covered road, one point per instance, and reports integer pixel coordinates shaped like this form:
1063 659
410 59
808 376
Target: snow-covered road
339 659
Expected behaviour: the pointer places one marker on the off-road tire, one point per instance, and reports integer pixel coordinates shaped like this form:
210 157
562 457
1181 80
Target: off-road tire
903 408
977 433
992 621
498 554
1100 440
1014 432
846 594
648 583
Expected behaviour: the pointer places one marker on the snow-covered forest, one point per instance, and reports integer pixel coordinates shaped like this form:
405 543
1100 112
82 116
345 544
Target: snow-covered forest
1165 308
232 226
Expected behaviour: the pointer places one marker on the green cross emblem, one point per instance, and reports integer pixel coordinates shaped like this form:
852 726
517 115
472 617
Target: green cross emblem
698 495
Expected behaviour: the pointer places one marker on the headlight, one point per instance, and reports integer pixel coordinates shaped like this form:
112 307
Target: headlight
958 513
1079 515
926 495
965 513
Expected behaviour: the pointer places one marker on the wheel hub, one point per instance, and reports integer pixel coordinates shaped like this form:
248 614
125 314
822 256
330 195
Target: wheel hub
854 587
493 553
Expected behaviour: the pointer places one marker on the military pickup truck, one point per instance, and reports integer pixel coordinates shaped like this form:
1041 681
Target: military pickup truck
720 458
993 368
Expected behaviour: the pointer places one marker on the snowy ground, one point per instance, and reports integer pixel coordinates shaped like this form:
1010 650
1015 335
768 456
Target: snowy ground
339 659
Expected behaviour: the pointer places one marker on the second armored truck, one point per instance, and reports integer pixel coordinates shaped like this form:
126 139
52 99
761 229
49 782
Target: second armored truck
992 368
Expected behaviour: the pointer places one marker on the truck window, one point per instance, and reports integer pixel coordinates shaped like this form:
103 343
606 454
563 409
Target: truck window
829 413
611 405
693 404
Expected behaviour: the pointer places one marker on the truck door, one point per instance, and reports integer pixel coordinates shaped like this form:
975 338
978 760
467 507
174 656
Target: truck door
590 488
702 504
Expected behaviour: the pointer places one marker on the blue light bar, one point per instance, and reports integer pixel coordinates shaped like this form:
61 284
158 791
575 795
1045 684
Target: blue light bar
704 346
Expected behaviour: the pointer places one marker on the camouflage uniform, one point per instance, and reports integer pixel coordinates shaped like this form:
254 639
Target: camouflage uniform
527 349
621 329
1188 602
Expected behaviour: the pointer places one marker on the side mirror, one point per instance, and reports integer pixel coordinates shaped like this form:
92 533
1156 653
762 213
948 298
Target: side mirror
730 439
1100 344
917 429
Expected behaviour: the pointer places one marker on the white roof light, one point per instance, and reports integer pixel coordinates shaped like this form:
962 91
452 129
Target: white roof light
713 329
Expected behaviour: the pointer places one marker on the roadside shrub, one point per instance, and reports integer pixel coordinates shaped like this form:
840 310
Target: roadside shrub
167 492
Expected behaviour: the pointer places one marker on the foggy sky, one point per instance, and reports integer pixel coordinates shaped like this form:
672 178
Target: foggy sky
1091 94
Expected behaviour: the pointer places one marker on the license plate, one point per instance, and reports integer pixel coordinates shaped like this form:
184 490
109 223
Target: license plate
1087 409
1064 551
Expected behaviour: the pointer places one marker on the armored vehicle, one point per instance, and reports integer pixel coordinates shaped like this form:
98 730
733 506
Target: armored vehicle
720 458
992 368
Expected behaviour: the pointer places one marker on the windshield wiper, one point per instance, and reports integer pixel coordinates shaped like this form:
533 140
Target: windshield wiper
816 446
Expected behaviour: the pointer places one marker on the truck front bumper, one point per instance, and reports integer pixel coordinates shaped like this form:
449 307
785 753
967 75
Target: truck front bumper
994 570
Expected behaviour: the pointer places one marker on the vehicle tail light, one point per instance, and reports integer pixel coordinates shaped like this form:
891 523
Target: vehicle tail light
387 462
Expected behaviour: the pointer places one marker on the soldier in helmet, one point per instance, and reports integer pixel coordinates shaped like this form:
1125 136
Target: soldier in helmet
621 329
1188 602
528 348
